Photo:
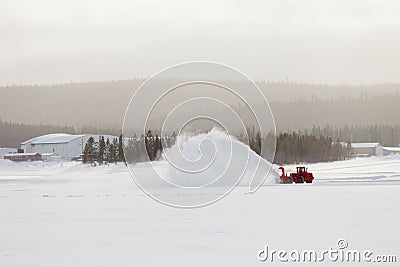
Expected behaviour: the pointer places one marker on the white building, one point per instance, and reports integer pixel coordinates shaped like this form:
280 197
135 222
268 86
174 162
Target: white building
66 146
387 151
366 149
50 157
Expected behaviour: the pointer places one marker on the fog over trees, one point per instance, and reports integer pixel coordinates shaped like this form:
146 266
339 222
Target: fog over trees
344 113
294 105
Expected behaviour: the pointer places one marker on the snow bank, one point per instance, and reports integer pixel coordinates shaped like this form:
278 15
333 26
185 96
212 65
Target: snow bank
6 163
215 158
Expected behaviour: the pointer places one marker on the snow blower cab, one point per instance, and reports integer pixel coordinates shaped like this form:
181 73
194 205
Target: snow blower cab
300 176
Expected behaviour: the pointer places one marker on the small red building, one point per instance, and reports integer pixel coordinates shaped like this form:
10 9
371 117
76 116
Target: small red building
24 157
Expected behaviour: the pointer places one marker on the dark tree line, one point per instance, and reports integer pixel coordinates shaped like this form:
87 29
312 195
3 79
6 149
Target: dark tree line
103 151
133 150
13 133
314 145
147 147
290 147
297 148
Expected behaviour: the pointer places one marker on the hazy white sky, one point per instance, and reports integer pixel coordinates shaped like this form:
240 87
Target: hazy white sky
52 41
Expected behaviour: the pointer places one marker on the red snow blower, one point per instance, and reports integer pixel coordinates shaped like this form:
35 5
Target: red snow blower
299 177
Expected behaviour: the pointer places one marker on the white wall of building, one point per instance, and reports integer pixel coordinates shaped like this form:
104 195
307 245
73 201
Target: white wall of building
65 149
379 151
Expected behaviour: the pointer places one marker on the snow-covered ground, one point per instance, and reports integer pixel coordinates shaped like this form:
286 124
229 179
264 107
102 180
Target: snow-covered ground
54 214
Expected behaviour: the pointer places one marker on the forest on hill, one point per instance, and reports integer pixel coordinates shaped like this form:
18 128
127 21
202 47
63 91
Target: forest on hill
294 105
317 114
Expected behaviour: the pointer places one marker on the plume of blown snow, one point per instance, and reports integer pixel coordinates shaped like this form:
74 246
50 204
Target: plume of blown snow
215 158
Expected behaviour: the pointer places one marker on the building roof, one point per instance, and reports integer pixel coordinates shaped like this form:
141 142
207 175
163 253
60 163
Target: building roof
364 145
21 154
61 138
396 149
53 138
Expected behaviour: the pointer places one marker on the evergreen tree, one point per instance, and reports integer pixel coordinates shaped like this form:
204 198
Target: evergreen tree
107 150
113 150
89 153
157 148
149 144
121 156
101 150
